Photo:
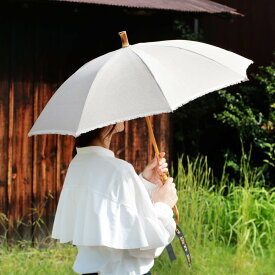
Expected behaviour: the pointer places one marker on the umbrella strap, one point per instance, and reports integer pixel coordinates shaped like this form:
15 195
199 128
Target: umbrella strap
184 246
171 253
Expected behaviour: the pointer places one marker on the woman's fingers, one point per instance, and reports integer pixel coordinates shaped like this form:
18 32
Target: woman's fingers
163 168
162 161
163 165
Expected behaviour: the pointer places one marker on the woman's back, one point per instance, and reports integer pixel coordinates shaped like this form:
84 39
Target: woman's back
96 167
105 209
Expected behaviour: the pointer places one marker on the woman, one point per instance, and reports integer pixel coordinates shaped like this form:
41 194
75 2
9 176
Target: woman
119 221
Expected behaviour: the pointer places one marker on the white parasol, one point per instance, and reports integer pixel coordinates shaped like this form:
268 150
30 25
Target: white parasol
137 81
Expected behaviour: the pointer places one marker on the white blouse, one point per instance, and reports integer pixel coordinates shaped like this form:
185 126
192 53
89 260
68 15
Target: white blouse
105 209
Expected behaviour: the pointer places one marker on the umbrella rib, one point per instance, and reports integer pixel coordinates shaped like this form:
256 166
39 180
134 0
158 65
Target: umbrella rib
98 72
206 57
151 73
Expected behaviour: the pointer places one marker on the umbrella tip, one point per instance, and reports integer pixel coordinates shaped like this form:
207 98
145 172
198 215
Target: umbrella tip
124 39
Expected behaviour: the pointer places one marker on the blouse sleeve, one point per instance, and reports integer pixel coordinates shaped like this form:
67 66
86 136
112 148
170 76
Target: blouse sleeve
149 186
165 216
156 218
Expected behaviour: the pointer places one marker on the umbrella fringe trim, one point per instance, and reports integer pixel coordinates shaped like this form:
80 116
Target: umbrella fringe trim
210 91
65 132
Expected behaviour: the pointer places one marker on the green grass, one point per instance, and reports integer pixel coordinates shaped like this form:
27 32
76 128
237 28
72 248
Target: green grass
210 259
229 226
29 260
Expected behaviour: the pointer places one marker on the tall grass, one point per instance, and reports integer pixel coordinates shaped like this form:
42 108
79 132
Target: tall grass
238 214
26 230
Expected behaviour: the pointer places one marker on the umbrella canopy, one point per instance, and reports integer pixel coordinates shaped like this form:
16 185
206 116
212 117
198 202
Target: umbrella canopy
136 81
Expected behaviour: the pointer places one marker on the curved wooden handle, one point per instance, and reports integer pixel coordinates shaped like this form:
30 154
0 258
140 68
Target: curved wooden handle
124 39
163 175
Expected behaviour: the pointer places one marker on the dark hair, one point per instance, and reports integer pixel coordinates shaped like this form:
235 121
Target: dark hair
86 138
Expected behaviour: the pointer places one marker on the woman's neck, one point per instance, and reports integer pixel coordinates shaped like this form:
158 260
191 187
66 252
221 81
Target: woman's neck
105 144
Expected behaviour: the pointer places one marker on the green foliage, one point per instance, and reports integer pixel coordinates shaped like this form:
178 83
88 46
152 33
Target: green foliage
251 113
185 30
270 152
266 77
239 115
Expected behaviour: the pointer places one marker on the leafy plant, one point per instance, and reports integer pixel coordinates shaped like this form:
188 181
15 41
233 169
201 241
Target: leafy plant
251 112
185 30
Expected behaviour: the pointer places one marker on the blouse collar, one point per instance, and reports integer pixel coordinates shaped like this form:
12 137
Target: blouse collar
94 148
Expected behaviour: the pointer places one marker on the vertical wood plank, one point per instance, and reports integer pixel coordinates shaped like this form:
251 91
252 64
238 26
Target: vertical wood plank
20 114
45 170
126 141
46 149
4 120
22 155
136 140
163 134
118 145
63 69
65 147
10 213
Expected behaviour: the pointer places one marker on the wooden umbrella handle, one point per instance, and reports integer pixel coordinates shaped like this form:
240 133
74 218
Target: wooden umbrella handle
163 174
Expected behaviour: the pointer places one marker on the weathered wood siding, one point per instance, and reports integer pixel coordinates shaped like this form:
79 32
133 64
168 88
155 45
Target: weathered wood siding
39 49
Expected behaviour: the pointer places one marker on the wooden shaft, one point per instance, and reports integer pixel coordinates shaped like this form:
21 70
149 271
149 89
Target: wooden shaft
124 39
163 175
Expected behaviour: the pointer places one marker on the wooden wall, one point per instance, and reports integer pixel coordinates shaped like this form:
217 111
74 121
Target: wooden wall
40 46
251 36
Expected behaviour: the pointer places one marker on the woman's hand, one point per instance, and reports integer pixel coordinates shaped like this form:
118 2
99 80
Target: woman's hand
153 169
166 193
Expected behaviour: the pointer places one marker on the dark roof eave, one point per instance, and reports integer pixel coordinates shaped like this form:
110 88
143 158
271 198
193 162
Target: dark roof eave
222 8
